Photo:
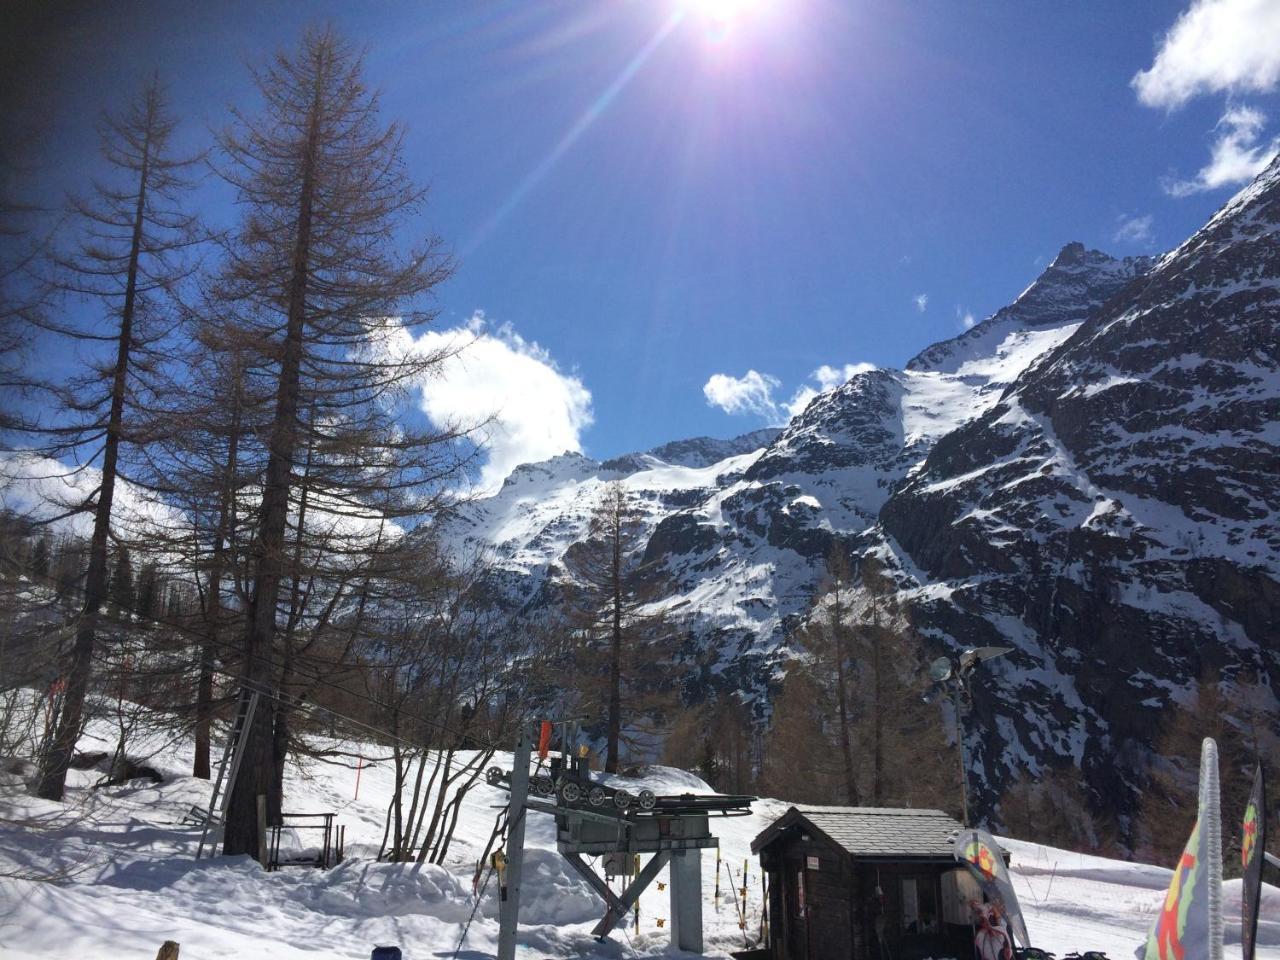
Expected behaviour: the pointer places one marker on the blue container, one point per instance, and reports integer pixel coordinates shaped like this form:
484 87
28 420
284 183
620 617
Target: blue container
385 953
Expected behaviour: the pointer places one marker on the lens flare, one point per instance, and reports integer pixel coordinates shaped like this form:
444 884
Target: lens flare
720 19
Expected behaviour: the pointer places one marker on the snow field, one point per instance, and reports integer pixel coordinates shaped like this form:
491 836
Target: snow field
128 881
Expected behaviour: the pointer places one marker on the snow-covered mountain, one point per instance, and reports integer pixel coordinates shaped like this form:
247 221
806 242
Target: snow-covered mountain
1088 475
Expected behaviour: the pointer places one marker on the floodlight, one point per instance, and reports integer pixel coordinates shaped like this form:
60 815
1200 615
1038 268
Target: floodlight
940 669
973 656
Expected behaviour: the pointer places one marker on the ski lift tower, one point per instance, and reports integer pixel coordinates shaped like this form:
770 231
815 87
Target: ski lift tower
594 819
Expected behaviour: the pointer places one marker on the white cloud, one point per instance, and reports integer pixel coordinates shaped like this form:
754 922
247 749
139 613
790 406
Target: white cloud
1215 46
533 409
1236 157
965 317
829 377
1134 229
921 300
753 393
41 488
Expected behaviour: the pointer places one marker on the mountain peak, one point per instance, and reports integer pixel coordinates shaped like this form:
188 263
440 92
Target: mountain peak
1071 254
1077 282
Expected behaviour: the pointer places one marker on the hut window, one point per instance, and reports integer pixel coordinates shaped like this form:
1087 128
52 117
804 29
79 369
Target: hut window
800 894
919 905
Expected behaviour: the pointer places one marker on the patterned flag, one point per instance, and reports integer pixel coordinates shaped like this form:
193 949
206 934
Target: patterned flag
1189 925
978 850
1252 843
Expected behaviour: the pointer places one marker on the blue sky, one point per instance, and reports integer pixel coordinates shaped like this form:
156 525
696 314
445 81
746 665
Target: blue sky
645 194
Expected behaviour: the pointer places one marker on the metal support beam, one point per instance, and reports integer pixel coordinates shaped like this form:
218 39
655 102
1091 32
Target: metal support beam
509 902
617 906
613 903
686 900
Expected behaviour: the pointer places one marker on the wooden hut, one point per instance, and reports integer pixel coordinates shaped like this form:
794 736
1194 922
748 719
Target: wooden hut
865 883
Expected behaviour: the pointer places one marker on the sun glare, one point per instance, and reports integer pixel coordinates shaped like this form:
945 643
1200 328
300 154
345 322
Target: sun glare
721 16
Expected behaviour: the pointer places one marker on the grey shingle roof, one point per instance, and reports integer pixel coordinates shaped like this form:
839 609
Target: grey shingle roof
875 831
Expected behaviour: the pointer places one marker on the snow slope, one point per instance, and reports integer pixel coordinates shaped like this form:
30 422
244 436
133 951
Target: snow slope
129 881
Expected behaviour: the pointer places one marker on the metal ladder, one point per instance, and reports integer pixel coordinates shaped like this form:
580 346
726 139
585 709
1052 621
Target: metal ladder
234 751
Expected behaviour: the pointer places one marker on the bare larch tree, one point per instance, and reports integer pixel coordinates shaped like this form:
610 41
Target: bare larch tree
328 302
125 262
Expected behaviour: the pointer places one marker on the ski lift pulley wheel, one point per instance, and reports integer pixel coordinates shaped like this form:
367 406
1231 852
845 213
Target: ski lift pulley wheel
622 799
494 776
596 796
570 792
646 800
543 787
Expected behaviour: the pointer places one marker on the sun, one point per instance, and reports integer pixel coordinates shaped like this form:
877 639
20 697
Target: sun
722 15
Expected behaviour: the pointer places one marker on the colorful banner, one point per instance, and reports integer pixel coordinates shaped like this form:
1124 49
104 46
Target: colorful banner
1253 841
979 851
1189 925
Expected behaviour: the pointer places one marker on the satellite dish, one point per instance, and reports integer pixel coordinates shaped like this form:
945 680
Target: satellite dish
940 669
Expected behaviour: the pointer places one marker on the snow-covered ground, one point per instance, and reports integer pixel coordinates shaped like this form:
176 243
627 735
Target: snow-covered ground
128 882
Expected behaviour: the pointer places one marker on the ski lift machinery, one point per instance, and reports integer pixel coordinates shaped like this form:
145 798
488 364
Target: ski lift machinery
595 819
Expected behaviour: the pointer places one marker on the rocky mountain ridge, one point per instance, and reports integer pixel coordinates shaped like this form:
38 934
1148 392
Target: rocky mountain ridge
1088 475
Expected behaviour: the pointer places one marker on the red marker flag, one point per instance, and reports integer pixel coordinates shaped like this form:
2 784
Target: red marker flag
544 740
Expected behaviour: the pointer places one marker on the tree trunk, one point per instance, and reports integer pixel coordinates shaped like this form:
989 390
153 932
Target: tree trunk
209 652
842 701
53 779
255 777
877 709
615 658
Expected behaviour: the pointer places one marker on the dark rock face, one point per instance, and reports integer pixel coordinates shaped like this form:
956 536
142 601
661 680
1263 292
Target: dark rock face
1088 476
1116 512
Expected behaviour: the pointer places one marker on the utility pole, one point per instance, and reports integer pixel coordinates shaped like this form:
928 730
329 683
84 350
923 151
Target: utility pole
957 692
509 894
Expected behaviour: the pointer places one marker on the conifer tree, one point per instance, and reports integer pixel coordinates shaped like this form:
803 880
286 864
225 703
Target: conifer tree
327 302
124 266
121 588
611 587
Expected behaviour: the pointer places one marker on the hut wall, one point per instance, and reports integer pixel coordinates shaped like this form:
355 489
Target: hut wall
823 876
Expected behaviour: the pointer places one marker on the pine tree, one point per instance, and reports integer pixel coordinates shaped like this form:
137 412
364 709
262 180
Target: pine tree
327 304
611 587
39 562
802 761
121 588
147 593
24 300
125 263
